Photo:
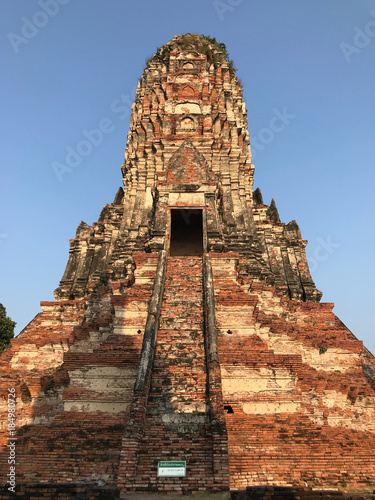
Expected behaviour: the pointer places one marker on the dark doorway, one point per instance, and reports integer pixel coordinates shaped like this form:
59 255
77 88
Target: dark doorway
186 232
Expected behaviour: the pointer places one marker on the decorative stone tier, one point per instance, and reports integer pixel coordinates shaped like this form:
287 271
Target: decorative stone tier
297 388
188 146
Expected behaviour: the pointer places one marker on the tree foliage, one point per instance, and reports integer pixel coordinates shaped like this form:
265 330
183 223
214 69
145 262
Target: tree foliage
6 329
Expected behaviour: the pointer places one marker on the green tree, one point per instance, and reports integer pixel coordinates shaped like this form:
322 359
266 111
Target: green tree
6 328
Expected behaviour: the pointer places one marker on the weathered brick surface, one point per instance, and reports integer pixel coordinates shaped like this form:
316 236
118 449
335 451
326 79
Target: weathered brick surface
265 387
177 423
62 491
298 416
74 384
295 493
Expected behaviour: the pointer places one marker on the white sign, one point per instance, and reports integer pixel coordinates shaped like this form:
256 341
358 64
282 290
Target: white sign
171 469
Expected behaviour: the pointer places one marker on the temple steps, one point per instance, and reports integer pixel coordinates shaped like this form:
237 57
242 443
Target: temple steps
177 425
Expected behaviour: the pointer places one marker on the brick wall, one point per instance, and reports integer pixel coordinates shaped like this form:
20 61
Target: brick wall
298 415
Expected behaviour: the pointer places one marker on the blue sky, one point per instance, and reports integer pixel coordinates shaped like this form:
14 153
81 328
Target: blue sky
66 62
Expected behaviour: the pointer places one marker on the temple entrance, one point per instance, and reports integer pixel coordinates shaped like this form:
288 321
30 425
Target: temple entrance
186 232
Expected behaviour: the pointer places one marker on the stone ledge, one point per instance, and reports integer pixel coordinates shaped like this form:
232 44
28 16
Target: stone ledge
297 493
52 491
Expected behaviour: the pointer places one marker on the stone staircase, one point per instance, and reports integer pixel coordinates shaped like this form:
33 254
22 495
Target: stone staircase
177 425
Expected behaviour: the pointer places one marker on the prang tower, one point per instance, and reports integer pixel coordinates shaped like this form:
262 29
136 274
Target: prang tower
186 326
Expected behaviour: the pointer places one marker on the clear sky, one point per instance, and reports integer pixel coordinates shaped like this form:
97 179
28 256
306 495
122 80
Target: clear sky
66 62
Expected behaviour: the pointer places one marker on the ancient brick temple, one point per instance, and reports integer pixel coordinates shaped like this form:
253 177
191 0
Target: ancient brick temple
186 326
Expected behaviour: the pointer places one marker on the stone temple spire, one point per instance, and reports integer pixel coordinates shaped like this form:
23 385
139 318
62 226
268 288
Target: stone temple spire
189 108
187 349
189 96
